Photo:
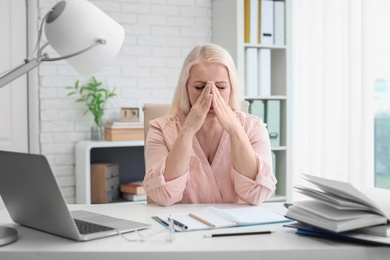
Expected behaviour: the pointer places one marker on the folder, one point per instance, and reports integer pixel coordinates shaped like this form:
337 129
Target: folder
257 108
264 75
266 22
251 21
279 23
272 117
251 71
247 19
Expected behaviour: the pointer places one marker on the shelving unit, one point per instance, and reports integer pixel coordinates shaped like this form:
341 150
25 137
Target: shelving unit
129 154
228 32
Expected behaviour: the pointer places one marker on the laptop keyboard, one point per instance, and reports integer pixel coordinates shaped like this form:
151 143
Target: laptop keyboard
85 227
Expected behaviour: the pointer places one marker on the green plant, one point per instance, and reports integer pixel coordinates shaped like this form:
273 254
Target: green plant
95 96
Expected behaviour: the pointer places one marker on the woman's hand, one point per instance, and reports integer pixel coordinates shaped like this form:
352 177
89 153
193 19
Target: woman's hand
199 110
226 117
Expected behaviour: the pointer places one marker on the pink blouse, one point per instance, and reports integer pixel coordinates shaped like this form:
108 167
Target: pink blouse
205 183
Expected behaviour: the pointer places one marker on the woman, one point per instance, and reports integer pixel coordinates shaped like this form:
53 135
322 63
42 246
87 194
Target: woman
206 151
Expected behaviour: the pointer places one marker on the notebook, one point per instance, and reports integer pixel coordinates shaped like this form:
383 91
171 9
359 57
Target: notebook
211 217
33 198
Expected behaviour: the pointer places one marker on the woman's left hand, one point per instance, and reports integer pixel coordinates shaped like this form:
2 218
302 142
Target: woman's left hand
222 110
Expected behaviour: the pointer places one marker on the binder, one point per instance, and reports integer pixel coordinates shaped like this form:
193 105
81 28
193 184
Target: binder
247 19
266 22
251 70
264 75
251 21
279 23
272 117
257 108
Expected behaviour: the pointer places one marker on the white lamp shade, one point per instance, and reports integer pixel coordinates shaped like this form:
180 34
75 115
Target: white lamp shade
77 24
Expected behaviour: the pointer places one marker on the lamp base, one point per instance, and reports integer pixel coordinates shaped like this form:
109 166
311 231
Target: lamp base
7 235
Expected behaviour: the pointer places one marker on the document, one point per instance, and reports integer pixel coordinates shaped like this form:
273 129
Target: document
213 217
338 207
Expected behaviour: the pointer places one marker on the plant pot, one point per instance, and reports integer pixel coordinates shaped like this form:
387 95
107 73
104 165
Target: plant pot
97 133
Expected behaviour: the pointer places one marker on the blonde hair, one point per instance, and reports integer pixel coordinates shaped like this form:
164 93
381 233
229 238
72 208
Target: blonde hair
205 53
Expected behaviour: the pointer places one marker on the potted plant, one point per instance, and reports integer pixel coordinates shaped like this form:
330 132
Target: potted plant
95 96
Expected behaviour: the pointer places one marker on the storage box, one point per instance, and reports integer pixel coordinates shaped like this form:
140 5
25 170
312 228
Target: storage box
104 182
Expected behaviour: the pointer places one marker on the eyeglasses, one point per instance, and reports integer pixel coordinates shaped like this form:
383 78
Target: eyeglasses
164 235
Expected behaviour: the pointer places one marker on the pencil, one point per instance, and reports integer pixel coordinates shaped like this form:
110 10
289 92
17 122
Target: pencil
202 220
238 234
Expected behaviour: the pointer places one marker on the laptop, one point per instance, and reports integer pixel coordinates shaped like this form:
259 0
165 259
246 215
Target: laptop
33 199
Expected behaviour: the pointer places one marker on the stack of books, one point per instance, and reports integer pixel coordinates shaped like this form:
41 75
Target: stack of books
133 191
124 131
338 210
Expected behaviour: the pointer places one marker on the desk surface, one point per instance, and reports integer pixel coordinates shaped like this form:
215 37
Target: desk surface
283 244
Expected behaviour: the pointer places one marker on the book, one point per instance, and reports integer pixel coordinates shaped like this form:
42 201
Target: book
337 206
129 125
123 136
133 187
351 236
123 131
212 217
134 197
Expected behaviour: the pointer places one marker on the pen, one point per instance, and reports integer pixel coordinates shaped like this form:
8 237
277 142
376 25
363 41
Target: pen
179 224
160 221
238 234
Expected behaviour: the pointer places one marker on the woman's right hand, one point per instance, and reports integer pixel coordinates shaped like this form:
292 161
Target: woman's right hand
199 110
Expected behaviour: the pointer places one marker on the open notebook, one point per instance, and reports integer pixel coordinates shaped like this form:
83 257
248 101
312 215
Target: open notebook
212 217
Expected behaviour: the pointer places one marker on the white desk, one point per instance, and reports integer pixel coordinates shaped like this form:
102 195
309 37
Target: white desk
284 244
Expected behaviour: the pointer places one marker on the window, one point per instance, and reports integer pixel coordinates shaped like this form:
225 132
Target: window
382 133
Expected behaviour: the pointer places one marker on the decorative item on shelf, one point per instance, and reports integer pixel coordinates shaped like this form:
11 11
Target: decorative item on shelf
129 114
124 131
95 96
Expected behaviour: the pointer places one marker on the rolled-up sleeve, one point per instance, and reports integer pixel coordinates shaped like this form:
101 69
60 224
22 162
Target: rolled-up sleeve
256 191
156 151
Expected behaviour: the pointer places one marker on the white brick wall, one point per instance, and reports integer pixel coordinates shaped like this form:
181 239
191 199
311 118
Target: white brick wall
159 34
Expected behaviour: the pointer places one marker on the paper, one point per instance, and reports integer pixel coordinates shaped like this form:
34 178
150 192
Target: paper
222 218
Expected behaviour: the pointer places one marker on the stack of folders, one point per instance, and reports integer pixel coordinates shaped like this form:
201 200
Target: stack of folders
264 24
338 210
211 218
124 131
270 112
133 191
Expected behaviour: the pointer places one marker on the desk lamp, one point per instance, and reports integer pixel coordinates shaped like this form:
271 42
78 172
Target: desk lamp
84 36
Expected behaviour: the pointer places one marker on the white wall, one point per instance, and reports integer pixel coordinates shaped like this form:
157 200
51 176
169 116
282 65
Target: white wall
159 34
